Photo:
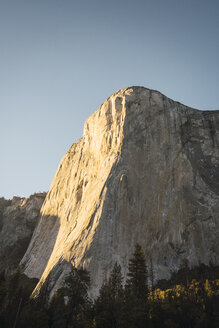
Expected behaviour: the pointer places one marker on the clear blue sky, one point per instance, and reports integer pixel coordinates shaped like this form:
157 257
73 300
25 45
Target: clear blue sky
60 59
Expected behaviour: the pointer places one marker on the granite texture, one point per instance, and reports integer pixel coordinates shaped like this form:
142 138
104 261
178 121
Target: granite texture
146 170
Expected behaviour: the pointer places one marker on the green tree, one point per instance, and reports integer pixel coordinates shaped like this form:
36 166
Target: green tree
137 274
136 291
70 302
108 306
33 317
16 309
58 310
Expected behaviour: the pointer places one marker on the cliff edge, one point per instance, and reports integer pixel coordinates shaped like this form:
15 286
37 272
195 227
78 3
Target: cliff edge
146 170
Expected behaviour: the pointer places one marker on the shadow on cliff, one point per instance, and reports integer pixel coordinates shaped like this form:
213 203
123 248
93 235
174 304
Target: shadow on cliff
192 141
109 232
106 245
41 246
55 280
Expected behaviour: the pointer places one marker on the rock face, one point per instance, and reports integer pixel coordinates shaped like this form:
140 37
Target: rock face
18 219
146 170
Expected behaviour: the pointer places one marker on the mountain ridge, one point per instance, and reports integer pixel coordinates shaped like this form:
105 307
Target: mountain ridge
18 219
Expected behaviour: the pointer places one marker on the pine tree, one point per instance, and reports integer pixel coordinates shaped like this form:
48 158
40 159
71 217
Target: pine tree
70 302
151 277
58 309
108 305
136 310
137 274
76 291
115 282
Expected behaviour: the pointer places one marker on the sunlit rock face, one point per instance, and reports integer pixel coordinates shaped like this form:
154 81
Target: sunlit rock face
146 170
18 219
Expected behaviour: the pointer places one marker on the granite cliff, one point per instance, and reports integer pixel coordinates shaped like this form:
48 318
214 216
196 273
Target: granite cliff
18 219
146 170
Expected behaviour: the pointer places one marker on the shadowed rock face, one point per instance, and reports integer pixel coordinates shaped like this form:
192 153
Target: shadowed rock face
18 219
146 170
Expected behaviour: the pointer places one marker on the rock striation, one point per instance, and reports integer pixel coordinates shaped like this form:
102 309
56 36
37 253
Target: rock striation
18 219
146 170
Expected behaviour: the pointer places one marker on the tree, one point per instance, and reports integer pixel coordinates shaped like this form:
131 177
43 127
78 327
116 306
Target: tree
16 308
68 303
32 317
136 291
115 283
108 306
151 277
58 309
137 274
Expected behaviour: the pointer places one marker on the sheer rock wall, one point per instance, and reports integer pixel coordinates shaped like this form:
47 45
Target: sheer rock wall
146 170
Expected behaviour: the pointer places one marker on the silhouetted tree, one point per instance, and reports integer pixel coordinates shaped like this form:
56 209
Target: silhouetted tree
58 310
68 303
136 291
137 274
108 306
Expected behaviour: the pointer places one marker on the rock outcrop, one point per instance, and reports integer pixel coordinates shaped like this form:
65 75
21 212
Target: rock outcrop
146 170
18 219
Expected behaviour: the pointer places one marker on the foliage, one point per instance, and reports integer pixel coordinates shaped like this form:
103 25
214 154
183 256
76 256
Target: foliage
191 302
193 305
136 290
107 307
70 302
16 308
137 275
186 274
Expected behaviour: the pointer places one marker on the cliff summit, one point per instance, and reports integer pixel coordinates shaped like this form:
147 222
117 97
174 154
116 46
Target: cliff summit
146 170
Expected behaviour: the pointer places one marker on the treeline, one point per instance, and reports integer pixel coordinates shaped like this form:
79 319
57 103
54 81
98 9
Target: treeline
189 299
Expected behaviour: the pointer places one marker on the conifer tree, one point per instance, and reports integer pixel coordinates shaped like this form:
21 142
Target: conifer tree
137 274
151 277
71 301
58 309
76 291
136 291
108 305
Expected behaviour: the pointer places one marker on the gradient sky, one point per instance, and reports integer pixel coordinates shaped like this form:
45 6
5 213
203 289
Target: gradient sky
60 59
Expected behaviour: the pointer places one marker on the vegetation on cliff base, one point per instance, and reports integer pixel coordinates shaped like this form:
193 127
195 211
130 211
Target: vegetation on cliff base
189 299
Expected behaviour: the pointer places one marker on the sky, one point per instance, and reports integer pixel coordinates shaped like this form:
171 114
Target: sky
61 59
